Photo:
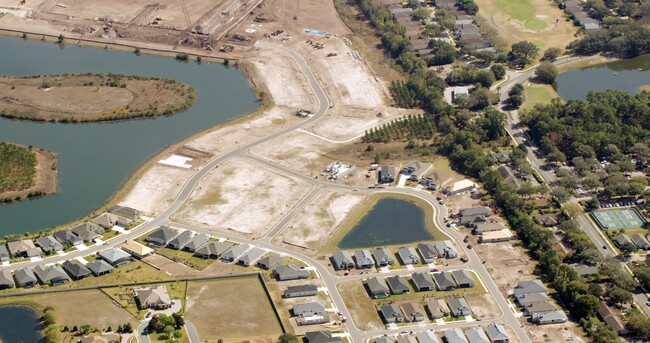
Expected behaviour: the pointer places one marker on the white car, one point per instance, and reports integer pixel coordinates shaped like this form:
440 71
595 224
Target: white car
355 189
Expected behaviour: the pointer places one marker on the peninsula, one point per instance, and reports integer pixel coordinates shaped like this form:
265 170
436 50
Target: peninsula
26 172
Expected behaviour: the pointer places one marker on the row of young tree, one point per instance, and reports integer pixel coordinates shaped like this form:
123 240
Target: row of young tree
418 126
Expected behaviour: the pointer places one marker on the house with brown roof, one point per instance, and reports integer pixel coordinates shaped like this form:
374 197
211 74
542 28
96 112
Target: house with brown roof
153 297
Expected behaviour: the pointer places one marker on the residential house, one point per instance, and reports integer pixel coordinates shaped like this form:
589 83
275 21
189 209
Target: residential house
446 4
213 249
161 236
438 308
446 249
459 307
235 253
99 267
76 269
584 270
502 235
4 253
384 339
109 220
497 333
428 252
342 260
291 272
552 317
416 170
25 278
405 338
461 186
363 259
136 249
468 216
310 313
115 257
387 174
640 241
423 282
6 280
413 312
482 228
179 241
52 275
611 318
509 176
477 335
622 240
528 299
48 244
391 313
153 297
251 256
270 261
408 255
455 336
463 278
322 337
126 212
548 220
426 337
88 232
530 286
398 285
383 257
377 288
544 306
444 281
435 180
500 157
300 291
196 242
67 238
23 248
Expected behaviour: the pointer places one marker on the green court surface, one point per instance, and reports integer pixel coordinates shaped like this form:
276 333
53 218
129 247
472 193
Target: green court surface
618 218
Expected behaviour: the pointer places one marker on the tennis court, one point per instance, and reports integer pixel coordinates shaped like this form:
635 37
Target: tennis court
616 219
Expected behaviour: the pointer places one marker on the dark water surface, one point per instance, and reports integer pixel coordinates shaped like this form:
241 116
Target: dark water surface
19 324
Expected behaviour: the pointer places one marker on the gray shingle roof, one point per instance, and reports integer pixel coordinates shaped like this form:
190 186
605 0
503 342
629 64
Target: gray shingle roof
179 241
477 335
51 274
383 256
475 211
397 284
24 276
76 269
251 256
426 337
423 281
235 252
308 308
114 255
321 337
99 267
455 336
408 255
214 248
463 277
48 244
291 271
196 242
67 237
271 260
161 236
6 281
530 286
497 332
377 286
444 280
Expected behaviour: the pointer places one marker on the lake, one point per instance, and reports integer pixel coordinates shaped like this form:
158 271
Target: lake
19 324
390 222
95 159
624 75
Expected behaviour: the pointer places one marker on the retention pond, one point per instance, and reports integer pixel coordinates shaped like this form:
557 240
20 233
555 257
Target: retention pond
19 324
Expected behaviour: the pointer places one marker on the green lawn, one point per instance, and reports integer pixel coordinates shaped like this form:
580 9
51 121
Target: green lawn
537 94
523 11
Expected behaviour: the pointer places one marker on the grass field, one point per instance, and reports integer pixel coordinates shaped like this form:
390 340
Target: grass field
186 258
523 11
17 167
361 307
537 94
238 309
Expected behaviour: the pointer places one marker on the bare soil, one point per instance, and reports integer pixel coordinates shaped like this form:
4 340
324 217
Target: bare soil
362 309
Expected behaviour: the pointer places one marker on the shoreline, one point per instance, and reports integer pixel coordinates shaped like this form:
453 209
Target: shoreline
46 178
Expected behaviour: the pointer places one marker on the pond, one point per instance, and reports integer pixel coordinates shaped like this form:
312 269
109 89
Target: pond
390 222
95 159
19 324
624 75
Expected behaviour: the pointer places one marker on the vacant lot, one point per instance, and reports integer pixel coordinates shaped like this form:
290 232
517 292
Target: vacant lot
361 308
238 309
536 94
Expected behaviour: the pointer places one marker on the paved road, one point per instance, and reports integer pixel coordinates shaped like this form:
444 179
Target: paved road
142 332
192 334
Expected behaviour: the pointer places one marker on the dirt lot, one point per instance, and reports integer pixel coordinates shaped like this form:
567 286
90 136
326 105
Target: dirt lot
156 188
242 196
361 308
254 318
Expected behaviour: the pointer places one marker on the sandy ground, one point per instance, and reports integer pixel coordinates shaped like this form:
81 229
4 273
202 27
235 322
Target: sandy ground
319 220
156 188
242 196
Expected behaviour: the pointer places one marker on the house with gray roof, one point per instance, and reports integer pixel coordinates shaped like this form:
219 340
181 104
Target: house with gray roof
408 255
428 252
88 232
384 339
622 239
25 278
387 174
310 313
48 244
270 261
463 278
235 253
438 308
291 272
398 285
426 337
67 238
416 170
640 241
391 313
446 249
4 253
108 220
552 317
459 307
413 312
126 212
115 257
23 248
544 306
342 260
435 180
455 336
196 242
52 275
99 267
322 337
500 157
423 282
482 228
377 288
530 286
300 291
363 259
383 257
6 280
213 249
475 211
528 299
444 281
179 241
251 256
477 335
76 269
584 270
497 333
406 338
161 236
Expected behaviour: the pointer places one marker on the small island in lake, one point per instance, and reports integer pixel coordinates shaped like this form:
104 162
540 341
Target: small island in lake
26 172
91 97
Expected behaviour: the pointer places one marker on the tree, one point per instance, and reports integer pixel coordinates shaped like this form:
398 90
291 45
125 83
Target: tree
469 6
499 71
52 334
421 13
523 52
561 194
48 318
551 54
178 320
127 328
485 78
156 323
444 53
640 325
288 338
546 72
619 296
